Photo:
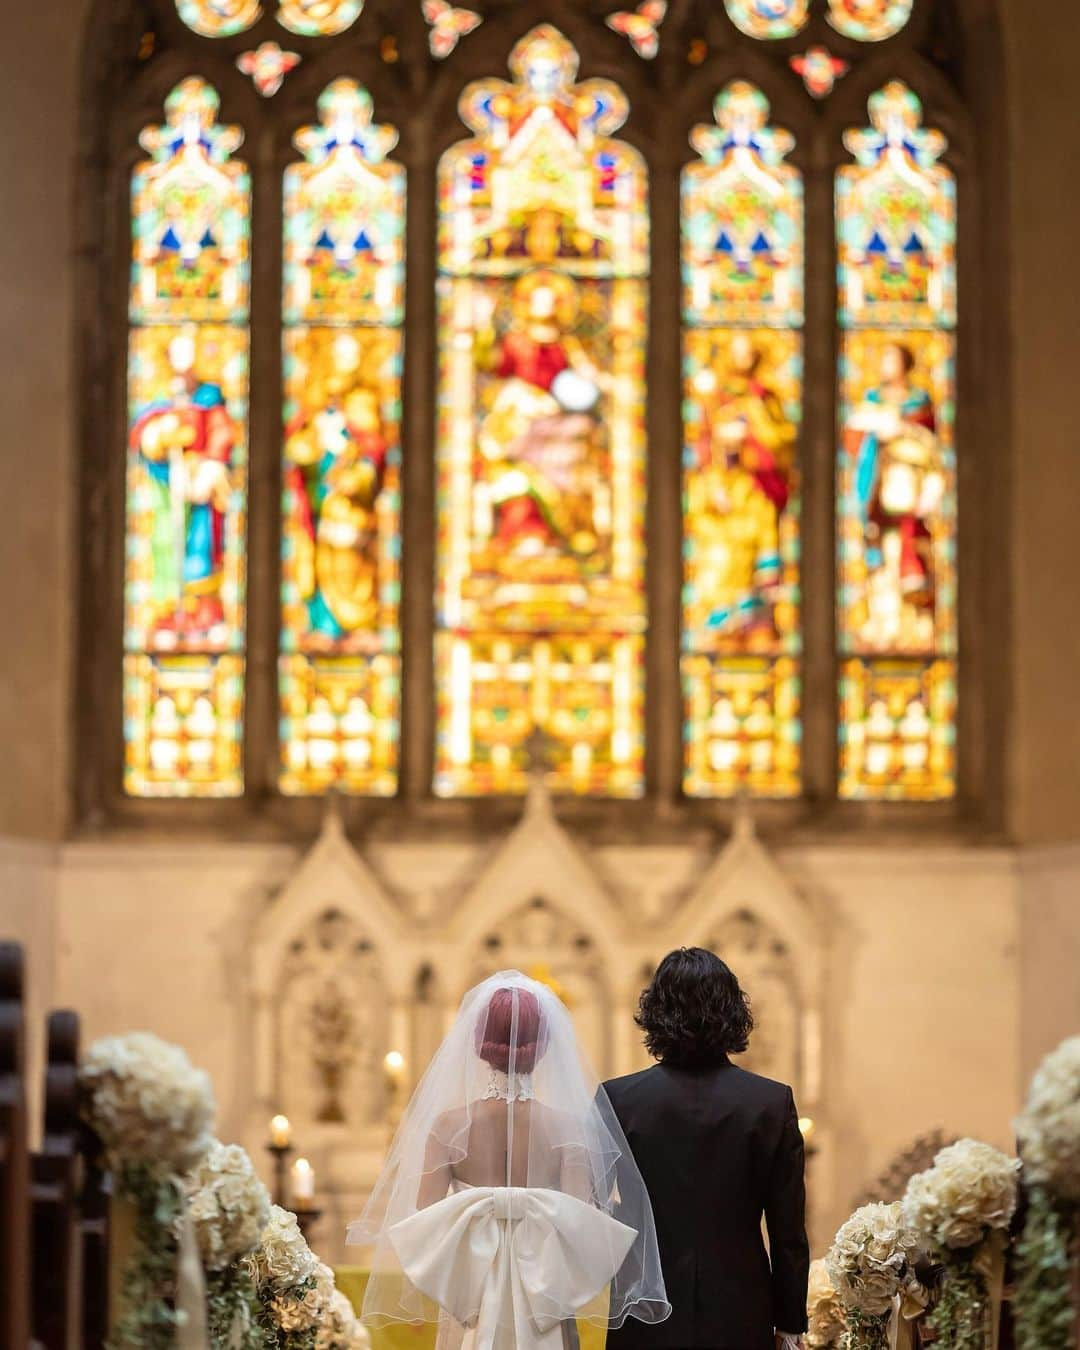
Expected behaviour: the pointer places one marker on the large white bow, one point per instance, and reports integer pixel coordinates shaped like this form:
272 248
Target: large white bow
513 1262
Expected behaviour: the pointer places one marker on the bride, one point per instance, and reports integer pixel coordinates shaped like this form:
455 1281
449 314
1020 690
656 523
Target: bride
510 1207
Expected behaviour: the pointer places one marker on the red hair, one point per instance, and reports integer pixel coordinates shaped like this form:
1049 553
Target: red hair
493 1036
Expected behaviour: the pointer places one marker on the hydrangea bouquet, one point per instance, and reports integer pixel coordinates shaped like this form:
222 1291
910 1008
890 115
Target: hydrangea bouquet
871 1267
963 1206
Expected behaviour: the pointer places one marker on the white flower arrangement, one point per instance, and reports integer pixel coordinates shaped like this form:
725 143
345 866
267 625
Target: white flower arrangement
824 1312
872 1259
227 1203
341 1329
970 1192
1049 1128
282 1261
147 1103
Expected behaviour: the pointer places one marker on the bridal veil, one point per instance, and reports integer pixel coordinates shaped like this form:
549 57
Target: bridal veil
510 1201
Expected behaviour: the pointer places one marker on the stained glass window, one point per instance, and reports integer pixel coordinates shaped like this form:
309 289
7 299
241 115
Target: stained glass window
318 18
219 18
187 454
742 214
341 540
449 24
543 255
896 470
768 18
869 20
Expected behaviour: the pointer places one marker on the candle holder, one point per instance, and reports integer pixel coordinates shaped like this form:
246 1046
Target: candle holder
307 1219
281 1153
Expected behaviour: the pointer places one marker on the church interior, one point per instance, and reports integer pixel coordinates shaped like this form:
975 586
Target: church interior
534 484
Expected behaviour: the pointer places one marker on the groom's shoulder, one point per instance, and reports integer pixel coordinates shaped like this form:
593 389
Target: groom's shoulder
763 1089
630 1083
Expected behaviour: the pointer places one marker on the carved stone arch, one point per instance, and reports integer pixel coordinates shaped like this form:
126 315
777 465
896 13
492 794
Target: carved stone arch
765 965
747 910
328 988
539 858
544 941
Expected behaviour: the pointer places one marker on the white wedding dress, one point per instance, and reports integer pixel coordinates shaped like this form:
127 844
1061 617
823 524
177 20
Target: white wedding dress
511 1206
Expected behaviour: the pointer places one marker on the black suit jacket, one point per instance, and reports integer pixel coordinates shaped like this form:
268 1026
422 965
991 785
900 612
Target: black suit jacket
719 1148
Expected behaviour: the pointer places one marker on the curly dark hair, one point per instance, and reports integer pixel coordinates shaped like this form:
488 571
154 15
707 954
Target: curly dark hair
694 1012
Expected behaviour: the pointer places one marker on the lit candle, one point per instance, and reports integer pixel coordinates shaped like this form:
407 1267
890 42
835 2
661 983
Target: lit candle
806 1128
395 1066
303 1184
280 1132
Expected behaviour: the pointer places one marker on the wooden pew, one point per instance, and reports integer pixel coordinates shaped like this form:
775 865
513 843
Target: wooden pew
14 1156
56 1177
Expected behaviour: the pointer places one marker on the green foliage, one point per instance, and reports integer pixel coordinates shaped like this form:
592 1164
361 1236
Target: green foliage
148 1320
232 1310
1043 1312
959 1318
864 1333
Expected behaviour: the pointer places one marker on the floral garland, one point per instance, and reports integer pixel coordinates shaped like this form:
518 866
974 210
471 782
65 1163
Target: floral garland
228 1207
152 1112
1047 1256
963 1207
871 1265
198 1199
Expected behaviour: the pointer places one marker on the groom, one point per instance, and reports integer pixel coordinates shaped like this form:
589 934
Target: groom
718 1148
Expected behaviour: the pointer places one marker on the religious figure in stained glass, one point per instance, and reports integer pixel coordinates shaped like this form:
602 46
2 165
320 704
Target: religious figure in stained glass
869 20
896 223
897 466
737 497
187 390
344 305
543 254
742 312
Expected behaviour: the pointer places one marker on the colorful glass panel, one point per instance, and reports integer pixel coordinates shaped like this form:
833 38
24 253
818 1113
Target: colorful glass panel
187 454
896 466
543 255
742 214
448 24
869 20
641 26
318 18
267 65
219 18
768 18
341 539
819 70
898 729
